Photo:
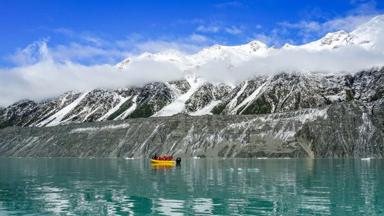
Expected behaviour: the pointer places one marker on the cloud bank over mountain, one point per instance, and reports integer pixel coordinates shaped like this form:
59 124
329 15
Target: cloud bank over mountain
41 73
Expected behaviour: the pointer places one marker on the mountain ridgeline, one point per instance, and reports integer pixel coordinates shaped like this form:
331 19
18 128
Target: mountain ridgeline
278 93
284 115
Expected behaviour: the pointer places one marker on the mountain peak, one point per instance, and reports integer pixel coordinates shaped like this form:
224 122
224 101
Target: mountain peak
256 45
330 41
376 23
377 19
367 36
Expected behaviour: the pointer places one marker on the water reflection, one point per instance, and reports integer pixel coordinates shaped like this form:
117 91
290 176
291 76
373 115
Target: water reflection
203 187
203 206
169 206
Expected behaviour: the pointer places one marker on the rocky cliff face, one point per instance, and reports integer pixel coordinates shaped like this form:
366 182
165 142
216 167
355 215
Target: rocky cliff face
284 115
347 129
278 93
351 130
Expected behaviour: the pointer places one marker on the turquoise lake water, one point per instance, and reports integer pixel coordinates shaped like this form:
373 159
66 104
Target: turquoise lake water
197 187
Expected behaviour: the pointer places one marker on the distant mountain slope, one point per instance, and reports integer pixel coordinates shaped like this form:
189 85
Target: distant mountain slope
262 95
342 130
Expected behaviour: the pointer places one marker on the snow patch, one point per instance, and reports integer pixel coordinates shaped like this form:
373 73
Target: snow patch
206 110
178 105
57 118
114 109
154 132
233 102
246 102
93 129
127 112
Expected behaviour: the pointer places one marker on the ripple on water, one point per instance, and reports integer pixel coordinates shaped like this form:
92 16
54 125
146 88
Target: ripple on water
198 187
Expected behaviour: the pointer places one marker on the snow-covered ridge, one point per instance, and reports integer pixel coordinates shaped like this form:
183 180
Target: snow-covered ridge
369 36
217 52
278 93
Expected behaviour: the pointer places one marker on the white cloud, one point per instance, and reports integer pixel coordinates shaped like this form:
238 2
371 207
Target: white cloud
158 46
344 23
364 7
352 59
198 38
49 78
233 30
31 54
34 52
137 43
188 44
155 46
273 38
267 39
309 29
46 77
217 28
44 71
208 28
81 52
83 36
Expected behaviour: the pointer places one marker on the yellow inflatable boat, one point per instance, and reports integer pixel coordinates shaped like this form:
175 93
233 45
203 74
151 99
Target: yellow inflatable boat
163 162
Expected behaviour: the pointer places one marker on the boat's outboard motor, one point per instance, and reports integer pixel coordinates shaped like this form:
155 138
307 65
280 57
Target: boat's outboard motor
178 161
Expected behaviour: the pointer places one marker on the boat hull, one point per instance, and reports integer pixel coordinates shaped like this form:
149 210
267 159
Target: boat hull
163 162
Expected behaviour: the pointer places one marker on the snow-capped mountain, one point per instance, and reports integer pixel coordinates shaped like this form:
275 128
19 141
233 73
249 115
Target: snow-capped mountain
262 95
185 62
368 36
194 95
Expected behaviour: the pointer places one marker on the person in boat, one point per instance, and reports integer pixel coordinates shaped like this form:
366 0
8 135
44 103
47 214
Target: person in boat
178 161
163 157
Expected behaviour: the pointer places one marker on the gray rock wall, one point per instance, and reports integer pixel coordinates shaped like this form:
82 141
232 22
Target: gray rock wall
343 130
351 130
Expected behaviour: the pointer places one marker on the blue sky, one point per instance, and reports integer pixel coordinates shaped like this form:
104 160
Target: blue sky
98 31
